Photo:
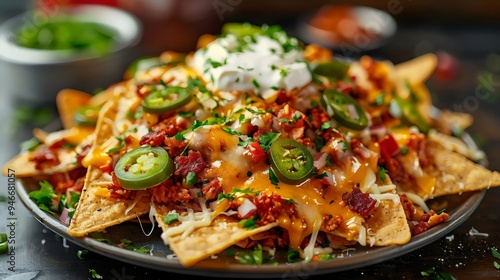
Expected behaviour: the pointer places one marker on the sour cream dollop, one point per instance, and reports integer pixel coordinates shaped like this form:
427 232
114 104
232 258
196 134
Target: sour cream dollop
260 64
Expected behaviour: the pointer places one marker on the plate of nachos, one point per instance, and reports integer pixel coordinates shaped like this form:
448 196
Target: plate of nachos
255 154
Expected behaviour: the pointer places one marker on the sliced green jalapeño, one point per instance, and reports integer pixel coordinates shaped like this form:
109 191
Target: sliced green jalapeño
331 69
143 168
86 115
344 109
167 99
291 161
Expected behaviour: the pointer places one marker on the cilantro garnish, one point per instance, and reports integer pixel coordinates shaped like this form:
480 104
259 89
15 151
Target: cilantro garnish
266 139
431 272
292 255
495 254
249 223
272 176
234 191
171 218
382 174
94 274
255 257
80 253
43 197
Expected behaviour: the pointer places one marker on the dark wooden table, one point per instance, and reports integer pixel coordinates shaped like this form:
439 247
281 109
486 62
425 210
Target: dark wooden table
41 254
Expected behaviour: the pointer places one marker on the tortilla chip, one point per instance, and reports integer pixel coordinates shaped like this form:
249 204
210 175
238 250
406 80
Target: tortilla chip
96 210
388 225
205 241
68 102
417 70
456 174
26 168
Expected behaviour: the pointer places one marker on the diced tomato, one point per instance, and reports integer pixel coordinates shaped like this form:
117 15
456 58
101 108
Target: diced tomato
388 146
256 152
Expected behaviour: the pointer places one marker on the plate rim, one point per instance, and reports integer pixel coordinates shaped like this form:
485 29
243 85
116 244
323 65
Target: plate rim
374 256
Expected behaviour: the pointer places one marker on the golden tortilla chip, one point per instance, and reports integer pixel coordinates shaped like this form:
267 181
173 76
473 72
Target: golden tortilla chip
203 242
68 102
456 174
388 225
26 168
96 210
417 70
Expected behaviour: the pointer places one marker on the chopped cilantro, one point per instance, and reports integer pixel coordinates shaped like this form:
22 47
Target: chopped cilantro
29 145
322 175
43 197
256 111
431 272
403 151
185 114
255 83
248 223
94 274
292 255
255 257
266 139
379 100
274 179
80 253
230 131
325 125
382 174
230 252
171 218
495 254
346 145
191 178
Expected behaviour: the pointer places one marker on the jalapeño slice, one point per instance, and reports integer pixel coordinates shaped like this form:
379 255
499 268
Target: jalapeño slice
241 30
86 115
166 99
344 109
410 114
291 161
143 168
331 69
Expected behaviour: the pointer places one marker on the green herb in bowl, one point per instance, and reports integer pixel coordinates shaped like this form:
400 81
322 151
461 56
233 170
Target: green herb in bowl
65 33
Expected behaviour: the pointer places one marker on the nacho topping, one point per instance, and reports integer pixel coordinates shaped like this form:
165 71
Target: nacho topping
256 140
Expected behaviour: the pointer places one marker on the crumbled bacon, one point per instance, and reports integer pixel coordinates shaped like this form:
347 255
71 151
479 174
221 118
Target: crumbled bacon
270 206
330 222
193 162
174 147
429 220
117 191
169 192
153 138
359 202
212 189
321 240
169 125
44 157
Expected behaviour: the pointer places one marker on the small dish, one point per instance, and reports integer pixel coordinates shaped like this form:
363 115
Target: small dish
36 75
349 29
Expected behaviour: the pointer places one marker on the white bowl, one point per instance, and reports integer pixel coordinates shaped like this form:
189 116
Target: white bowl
36 76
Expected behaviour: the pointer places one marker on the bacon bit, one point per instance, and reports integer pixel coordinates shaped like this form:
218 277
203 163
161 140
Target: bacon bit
330 223
256 152
174 147
271 206
344 87
44 157
193 162
283 97
168 192
359 202
117 192
153 138
429 220
212 189
321 241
